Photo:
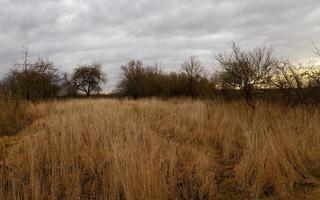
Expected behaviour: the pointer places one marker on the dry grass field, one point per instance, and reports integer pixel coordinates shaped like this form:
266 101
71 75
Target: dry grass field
153 149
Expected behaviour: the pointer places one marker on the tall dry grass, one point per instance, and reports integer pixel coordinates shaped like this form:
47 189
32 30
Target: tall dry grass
14 116
152 149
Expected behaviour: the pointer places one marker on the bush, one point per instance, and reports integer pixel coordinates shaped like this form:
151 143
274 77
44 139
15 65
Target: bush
37 81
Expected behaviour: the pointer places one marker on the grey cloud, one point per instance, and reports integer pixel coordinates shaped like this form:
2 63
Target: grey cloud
71 32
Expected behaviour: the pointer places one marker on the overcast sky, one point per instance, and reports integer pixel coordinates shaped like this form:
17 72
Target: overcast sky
71 32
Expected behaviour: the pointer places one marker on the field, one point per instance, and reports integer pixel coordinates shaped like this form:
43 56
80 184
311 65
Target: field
154 149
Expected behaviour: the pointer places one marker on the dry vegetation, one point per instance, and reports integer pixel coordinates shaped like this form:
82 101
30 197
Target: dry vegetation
152 149
14 116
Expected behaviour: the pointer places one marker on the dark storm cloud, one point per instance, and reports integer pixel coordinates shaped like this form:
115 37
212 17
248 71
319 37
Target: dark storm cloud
71 32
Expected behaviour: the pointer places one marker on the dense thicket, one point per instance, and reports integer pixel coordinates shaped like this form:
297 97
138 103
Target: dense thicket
146 81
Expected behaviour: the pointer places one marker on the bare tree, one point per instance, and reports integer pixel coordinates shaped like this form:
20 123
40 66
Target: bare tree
132 81
25 62
68 88
247 70
44 66
192 67
32 80
87 78
194 71
291 80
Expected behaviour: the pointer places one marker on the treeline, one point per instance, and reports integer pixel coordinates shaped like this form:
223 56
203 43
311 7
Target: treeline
39 79
139 81
250 74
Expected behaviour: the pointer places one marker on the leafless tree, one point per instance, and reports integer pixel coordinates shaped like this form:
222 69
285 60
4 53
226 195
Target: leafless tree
44 66
25 63
192 67
32 80
87 78
68 88
132 83
291 80
194 72
247 70
314 78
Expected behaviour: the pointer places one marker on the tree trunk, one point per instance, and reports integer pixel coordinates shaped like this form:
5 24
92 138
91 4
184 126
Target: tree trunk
88 93
248 95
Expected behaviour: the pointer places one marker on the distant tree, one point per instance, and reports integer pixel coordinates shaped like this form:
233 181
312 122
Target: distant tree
87 78
49 77
247 70
67 87
194 72
32 80
139 81
25 63
132 81
291 80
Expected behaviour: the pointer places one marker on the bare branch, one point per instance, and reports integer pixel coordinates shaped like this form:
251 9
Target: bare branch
316 49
